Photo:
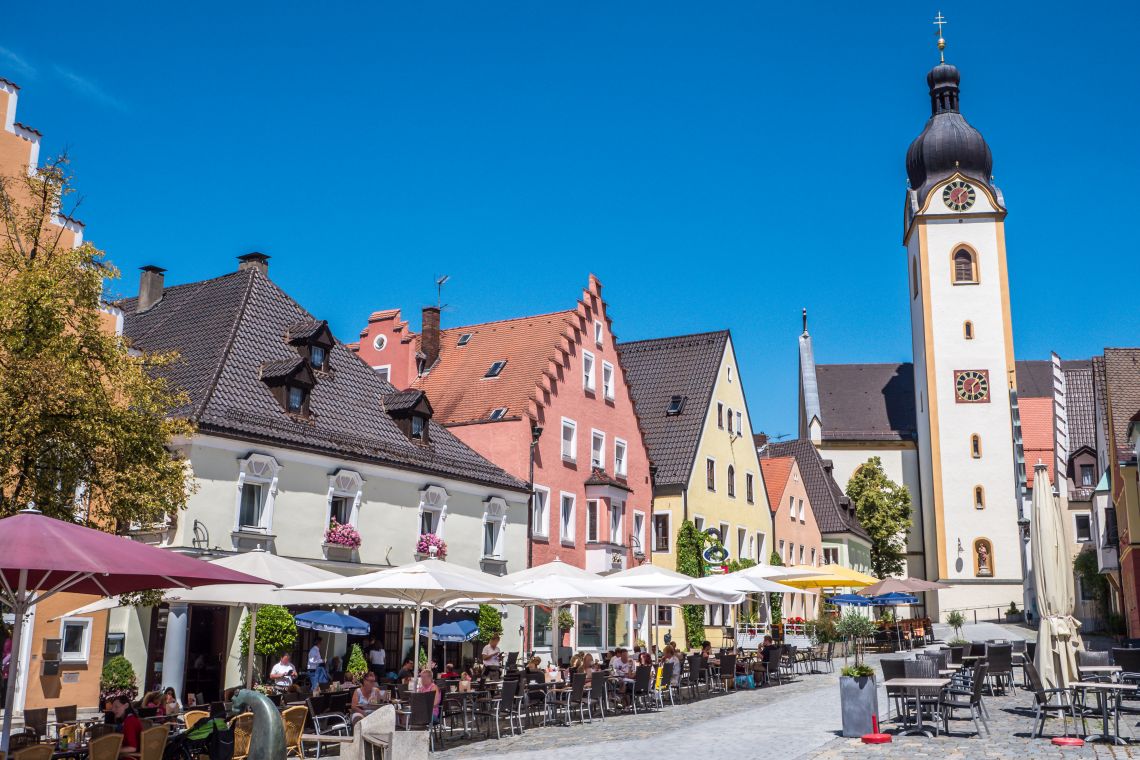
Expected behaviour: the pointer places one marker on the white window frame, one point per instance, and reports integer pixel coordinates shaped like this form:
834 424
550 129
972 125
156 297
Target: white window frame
800 504
593 521
829 553
608 381
749 487
664 615
600 460
384 370
621 464
262 470
781 550
730 482
724 528
494 513
617 522
699 523
566 528
814 556
792 507
1076 530
739 422
761 542
668 531
433 500
345 484
85 655
599 333
543 530
741 541
711 460
801 554
752 547
720 415
588 366
573 455
728 419
639 530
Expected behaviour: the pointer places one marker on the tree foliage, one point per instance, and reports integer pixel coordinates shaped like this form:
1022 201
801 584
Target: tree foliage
690 546
276 632
883 507
490 622
855 628
84 423
117 678
356 666
1085 565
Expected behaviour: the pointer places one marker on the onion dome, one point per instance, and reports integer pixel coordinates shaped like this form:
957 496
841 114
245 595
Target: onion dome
948 143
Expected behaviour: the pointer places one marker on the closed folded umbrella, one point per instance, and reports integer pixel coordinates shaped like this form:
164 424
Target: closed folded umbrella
41 556
1058 635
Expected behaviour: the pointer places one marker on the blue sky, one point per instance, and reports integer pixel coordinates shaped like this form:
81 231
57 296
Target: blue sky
717 165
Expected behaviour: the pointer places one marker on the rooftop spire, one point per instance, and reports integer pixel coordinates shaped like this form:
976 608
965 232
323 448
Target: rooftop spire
805 321
940 21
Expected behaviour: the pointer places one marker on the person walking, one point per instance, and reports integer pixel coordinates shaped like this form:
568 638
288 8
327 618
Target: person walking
317 673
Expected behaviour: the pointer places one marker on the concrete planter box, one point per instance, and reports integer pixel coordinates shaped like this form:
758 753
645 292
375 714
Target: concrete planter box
859 702
1015 617
339 553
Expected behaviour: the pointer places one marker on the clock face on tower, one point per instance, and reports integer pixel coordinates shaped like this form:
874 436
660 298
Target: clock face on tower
972 386
958 196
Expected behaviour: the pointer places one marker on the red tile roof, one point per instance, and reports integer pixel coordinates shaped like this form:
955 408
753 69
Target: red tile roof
776 471
1037 434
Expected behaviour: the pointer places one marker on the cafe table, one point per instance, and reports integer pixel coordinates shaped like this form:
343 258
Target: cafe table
465 699
1096 670
1106 690
914 685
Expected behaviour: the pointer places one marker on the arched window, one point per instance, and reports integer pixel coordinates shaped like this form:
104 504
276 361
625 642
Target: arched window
979 497
968 330
731 482
976 453
983 558
965 267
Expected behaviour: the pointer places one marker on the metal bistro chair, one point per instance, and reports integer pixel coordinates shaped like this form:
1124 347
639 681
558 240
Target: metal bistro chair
1047 701
501 706
642 691
1129 662
727 672
419 716
963 699
894 667
66 714
999 658
35 721
599 694
691 677
326 723
824 655
925 697
575 696
665 684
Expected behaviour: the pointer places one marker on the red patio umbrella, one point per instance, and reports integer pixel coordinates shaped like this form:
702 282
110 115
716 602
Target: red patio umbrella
41 556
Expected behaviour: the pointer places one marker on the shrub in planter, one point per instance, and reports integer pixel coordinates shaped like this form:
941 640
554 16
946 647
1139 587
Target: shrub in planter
857 694
490 622
117 679
357 666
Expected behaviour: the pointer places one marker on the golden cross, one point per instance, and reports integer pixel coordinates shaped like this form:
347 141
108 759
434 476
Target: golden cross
940 21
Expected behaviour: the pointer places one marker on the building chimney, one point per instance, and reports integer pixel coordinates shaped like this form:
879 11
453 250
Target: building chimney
429 340
150 287
254 260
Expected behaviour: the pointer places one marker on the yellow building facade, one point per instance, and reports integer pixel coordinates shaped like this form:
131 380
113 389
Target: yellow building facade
692 404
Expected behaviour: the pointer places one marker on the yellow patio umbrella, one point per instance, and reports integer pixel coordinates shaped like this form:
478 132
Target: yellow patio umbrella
832 576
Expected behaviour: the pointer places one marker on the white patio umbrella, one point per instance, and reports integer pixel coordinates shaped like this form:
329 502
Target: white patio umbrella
670 587
748 585
432 584
1058 635
261 564
776 572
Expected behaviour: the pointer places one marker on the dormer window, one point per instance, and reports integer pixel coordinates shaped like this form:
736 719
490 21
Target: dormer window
291 382
295 399
419 425
317 356
410 411
313 341
496 368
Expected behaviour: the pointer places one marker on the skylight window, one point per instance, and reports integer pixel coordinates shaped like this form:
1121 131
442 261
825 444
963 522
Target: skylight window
464 339
498 414
496 368
676 404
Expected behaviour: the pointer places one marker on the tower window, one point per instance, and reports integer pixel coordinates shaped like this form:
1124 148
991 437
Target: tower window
976 448
968 330
965 267
979 497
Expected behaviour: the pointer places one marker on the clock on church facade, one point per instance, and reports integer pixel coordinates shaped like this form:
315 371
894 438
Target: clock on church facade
971 386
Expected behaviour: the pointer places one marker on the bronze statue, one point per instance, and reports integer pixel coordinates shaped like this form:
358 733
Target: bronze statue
267 740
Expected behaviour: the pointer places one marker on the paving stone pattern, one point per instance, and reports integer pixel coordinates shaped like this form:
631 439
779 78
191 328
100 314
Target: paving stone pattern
796 720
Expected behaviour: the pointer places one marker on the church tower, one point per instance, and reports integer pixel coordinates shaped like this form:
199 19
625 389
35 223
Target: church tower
954 232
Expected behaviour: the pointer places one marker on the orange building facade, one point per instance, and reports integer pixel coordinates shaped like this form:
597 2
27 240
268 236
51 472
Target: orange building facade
797 536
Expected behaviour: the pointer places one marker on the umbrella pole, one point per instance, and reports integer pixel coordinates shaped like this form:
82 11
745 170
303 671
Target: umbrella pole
431 631
252 646
416 649
19 611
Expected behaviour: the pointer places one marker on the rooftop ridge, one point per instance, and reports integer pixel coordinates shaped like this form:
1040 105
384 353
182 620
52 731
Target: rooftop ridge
467 328
643 342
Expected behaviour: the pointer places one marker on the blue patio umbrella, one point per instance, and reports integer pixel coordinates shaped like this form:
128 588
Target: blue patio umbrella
332 622
853 600
893 598
454 632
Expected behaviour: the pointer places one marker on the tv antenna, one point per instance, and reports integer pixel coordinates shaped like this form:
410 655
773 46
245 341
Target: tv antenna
439 282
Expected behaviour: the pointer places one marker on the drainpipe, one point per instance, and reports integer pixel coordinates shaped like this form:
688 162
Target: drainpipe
535 434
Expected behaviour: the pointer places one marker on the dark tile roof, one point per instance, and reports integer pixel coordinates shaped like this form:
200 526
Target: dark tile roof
599 477
226 329
659 369
1035 376
402 401
867 402
279 369
306 329
828 502
1122 382
1080 407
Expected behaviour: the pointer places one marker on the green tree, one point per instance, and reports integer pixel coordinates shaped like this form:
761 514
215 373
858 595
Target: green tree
1093 582
776 601
490 622
690 547
117 678
276 634
84 422
883 507
356 666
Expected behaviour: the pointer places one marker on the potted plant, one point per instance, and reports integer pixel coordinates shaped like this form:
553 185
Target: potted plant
958 644
117 679
341 541
1013 615
490 622
565 624
858 697
356 666
430 546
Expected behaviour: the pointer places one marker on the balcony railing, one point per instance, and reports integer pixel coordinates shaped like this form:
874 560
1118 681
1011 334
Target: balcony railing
1081 493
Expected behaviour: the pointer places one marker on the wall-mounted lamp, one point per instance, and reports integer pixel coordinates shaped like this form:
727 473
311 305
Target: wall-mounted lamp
961 550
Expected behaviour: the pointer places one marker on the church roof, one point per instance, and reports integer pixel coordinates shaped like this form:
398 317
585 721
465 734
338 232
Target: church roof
659 369
833 511
867 402
1035 376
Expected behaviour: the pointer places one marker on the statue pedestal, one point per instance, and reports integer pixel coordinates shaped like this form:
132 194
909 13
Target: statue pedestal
379 728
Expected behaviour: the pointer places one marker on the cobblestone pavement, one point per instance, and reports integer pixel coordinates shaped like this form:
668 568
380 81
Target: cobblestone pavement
796 720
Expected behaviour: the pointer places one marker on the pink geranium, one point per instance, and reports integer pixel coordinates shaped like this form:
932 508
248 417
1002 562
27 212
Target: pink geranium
427 541
342 535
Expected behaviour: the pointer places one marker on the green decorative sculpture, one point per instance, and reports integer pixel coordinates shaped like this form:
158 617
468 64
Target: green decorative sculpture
267 741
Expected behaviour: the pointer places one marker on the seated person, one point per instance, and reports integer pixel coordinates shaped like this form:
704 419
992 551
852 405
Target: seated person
366 698
670 654
428 684
767 648
407 670
706 653
170 704
534 665
449 671
127 723
152 700
645 659
588 664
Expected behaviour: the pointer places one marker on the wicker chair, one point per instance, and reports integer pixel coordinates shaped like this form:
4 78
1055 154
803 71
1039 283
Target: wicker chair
294 720
105 747
34 752
242 726
190 717
153 742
